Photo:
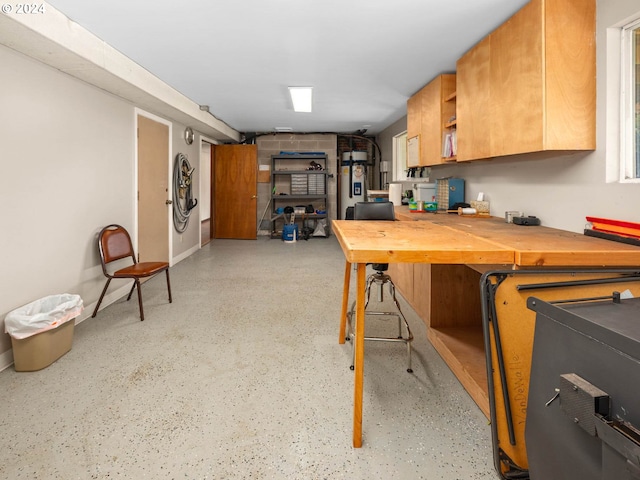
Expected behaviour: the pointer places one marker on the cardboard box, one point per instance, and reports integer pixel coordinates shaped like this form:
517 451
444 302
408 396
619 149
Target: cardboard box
42 349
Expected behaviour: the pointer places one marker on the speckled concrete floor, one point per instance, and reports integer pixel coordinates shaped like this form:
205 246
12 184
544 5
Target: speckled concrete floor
240 377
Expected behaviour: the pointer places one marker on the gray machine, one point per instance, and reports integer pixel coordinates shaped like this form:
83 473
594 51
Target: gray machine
583 415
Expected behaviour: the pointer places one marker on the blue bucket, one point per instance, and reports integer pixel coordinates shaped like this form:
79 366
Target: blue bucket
290 233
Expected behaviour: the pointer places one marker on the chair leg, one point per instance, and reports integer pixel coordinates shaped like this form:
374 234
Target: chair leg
168 285
137 284
131 291
104 290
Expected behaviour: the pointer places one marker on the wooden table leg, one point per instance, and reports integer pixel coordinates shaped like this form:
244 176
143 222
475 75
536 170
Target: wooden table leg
345 302
359 357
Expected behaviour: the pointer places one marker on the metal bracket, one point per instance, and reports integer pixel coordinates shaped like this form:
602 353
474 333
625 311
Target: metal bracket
581 401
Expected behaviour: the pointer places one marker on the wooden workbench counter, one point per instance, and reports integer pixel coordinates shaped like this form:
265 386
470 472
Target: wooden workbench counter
534 246
436 261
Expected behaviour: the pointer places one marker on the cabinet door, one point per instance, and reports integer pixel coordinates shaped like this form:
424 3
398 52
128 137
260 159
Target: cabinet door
402 276
414 111
422 290
570 66
431 129
473 86
414 129
516 64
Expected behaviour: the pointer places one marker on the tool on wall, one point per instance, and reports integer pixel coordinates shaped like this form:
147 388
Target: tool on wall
182 194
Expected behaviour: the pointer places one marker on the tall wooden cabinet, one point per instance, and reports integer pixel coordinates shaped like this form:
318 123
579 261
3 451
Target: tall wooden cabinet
530 85
428 113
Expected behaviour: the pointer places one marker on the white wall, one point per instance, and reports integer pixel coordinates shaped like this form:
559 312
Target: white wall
559 189
205 182
67 151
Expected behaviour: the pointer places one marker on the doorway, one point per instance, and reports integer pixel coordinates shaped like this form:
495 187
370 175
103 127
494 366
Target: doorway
153 188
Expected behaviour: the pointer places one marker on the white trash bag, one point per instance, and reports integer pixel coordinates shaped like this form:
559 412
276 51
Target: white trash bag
42 315
321 229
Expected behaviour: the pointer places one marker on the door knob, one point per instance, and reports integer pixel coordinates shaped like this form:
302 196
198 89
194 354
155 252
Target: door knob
168 202
254 196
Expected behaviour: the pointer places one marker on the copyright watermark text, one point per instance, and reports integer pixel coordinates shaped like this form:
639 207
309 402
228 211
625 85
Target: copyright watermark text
23 8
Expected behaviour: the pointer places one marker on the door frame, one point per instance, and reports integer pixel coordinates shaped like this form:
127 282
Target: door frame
138 112
213 143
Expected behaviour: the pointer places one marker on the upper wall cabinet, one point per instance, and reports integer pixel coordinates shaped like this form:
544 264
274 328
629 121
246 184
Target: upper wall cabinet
530 85
429 115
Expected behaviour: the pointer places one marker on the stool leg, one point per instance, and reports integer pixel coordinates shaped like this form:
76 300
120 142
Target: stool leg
392 288
345 301
351 316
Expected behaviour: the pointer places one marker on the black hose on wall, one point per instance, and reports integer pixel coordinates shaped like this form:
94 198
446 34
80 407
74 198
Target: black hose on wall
183 201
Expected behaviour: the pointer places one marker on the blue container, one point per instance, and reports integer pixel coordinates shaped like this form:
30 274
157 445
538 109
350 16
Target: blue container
456 191
449 191
290 233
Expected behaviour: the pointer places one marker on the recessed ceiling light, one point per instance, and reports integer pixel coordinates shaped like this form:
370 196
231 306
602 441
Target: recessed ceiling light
283 129
301 98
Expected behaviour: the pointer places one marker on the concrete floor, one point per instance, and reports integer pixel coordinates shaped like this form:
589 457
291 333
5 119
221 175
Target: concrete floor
240 377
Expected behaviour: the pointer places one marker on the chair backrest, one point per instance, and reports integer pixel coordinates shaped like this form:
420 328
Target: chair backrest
114 243
374 211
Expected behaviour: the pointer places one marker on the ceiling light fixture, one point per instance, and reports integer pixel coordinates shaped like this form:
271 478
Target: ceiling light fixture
301 98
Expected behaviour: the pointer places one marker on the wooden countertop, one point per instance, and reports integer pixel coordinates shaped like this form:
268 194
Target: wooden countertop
414 242
455 239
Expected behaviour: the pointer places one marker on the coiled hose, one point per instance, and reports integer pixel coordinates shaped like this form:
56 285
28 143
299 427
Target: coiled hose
183 201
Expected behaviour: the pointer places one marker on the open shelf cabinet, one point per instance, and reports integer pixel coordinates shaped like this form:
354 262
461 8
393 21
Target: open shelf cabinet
299 181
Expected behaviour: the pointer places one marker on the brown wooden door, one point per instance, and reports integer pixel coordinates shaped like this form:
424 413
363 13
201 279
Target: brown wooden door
153 188
235 191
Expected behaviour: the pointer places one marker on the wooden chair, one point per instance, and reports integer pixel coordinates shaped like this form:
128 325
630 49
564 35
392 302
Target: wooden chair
114 244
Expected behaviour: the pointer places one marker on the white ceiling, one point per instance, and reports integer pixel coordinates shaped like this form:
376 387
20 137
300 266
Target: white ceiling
364 58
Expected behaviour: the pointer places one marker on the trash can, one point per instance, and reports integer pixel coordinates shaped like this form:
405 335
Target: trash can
42 331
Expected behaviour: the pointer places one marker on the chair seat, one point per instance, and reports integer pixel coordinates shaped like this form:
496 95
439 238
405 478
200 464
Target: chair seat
144 269
380 267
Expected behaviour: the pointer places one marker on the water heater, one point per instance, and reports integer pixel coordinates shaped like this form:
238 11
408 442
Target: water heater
353 179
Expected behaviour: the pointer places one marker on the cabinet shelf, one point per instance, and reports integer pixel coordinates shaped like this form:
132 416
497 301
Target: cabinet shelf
299 172
450 97
297 197
450 124
301 216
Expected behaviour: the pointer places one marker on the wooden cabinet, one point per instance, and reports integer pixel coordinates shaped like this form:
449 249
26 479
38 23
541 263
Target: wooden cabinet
428 111
530 85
